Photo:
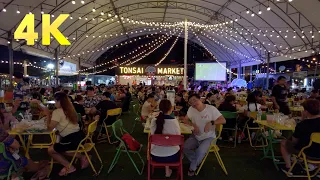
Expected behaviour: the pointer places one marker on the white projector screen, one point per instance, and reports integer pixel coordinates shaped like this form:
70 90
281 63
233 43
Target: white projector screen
210 72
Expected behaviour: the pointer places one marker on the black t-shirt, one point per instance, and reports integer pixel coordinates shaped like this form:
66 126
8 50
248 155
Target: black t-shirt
79 109
280 93
303 132
103 107
227 107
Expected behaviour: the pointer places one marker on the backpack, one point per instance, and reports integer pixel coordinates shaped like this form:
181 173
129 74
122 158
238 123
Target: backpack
131 143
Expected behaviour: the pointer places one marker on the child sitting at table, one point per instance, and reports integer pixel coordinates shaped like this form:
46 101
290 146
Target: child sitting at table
165 124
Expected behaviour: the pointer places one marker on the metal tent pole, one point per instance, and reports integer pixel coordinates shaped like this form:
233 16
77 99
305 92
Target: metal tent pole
56 52
268 64
250 73
11 66
185 54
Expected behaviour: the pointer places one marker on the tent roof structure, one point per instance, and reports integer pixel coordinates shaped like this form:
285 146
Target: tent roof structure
236 31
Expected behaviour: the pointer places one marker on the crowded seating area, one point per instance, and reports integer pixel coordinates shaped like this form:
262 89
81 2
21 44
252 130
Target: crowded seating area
181 131
151 89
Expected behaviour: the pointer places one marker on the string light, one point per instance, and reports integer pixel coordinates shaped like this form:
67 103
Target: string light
4 10
133 57
211 53
132 32
168 52
123 56
73 2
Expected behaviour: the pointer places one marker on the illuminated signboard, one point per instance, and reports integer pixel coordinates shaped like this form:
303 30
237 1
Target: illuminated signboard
150 70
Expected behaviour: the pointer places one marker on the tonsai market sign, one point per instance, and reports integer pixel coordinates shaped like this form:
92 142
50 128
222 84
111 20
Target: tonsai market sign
150 70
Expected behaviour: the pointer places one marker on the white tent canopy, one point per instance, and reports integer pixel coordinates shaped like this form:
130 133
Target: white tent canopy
287 29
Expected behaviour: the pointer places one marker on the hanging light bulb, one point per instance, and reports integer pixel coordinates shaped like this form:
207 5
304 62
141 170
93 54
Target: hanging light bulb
93 10
260 12
30 12
80 17
71 17
73 2
102 13
18 12
4 10
82 2
290 0
236 20
248 11
52 15
252 15
268 8
86 19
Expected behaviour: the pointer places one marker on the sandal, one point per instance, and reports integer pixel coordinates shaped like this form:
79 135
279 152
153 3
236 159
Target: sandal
84 162
64 171
191 173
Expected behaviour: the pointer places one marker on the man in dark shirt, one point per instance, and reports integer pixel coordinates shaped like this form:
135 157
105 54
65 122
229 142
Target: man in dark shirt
301 136
78 105
126 100
103 107
279 96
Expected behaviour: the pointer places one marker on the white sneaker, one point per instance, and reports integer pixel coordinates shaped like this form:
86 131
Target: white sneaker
312 167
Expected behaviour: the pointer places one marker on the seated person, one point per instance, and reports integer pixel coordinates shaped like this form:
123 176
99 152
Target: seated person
253 105
165 124
12 147
209 99
148 106
6 118
91 99
228 104
181 104
103 107
302 134
65 120
203 117
126 100
314 94
78 105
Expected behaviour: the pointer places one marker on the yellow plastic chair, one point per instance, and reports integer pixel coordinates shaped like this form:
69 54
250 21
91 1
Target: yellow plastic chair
85 146
111 112
315 138
214 148
253 115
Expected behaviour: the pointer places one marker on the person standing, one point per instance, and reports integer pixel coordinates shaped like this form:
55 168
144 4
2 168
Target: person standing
279 96
203 117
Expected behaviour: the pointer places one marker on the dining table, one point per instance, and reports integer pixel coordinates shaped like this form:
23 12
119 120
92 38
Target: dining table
273 128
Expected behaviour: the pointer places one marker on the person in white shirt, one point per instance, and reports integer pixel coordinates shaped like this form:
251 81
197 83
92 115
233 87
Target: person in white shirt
203 118
165 124
65 120
148 106
253 105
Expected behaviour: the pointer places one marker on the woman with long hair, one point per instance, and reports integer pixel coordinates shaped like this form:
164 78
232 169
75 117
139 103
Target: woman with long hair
65 120
165 124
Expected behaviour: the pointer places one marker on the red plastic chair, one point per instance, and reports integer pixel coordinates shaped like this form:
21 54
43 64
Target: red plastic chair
166 140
